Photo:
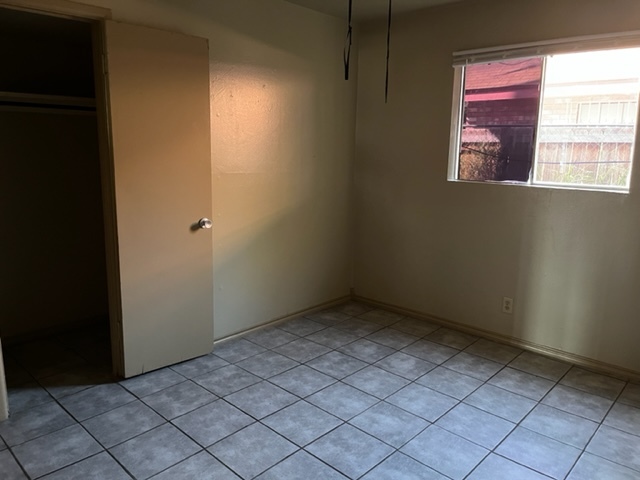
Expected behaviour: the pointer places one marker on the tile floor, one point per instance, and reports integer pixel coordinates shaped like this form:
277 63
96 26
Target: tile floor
351 392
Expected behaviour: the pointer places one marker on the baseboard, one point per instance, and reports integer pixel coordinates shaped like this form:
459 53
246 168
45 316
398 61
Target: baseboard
588 363
290 316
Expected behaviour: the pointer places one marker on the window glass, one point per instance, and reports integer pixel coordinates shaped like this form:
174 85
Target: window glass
500 114
567 119
603 88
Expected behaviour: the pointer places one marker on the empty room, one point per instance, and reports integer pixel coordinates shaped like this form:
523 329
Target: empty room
320 239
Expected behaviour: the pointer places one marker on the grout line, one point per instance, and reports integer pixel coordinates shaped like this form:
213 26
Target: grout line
15 458
367 363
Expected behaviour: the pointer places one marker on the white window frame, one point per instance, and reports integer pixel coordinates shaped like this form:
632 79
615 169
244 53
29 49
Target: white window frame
533 49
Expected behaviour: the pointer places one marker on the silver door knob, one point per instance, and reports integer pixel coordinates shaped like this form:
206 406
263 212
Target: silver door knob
205 223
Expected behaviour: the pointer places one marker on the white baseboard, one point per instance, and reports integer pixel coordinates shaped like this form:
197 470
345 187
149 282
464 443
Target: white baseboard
589 363
291 316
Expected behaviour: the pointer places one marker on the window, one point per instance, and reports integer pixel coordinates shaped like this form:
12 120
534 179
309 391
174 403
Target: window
526 116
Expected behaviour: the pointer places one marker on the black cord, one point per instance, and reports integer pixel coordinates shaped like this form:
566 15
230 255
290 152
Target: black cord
386 85
347 44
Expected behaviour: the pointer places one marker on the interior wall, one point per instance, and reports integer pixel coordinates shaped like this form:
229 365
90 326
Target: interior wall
282 128
569 259
53 238
53 272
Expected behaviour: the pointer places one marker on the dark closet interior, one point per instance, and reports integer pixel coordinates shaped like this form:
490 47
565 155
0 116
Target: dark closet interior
53 283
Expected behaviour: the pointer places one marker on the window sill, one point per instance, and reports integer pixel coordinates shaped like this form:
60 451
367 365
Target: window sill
550 186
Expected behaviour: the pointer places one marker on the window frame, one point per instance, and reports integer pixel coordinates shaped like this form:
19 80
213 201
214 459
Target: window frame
527 50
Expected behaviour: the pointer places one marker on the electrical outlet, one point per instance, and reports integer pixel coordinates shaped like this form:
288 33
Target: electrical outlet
507 305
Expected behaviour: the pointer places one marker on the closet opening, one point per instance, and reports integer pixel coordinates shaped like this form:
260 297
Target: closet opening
55 322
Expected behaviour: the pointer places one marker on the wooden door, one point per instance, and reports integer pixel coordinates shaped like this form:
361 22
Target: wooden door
158 117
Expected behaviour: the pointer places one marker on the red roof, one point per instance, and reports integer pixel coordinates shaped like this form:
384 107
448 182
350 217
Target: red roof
506 73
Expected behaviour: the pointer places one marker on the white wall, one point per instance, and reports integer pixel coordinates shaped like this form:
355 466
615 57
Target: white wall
571 260
282 147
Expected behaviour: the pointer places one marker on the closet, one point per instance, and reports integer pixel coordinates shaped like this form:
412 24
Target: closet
52 242
147 144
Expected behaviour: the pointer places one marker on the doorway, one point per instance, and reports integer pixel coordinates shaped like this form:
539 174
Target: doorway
55 322
155 168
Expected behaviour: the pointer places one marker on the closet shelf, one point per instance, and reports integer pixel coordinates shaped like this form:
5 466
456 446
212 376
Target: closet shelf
28 99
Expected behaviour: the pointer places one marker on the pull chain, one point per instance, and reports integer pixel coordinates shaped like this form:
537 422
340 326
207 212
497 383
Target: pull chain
347 44
386 85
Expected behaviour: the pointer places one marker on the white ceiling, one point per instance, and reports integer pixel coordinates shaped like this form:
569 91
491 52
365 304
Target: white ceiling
366 9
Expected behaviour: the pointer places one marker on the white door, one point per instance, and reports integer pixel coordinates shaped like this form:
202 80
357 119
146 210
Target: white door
158 106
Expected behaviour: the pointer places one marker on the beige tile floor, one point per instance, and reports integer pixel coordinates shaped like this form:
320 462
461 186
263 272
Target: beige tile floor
352 392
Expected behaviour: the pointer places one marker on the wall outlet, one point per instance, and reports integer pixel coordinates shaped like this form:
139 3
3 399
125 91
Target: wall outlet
507 305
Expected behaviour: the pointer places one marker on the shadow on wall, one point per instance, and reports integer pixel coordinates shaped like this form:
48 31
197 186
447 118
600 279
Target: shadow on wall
281 186
55 270
264 270
574 289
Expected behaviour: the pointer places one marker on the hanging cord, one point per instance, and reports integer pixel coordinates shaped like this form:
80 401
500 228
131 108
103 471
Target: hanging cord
386 85
347 44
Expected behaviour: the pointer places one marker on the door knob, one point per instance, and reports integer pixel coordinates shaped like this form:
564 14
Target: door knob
205 223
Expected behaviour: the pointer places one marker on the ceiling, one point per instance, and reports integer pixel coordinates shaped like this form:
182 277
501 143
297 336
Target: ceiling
366 9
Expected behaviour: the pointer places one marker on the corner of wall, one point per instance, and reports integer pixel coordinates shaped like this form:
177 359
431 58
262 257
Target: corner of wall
4 403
